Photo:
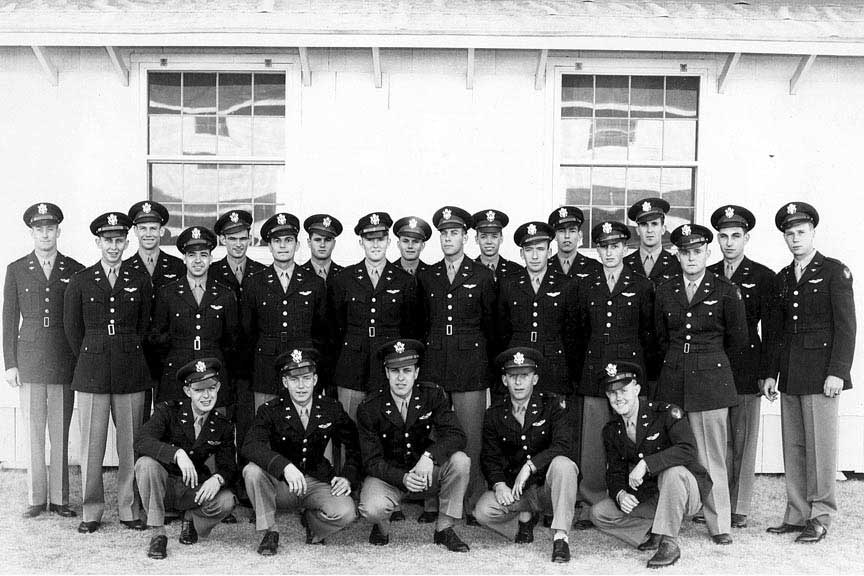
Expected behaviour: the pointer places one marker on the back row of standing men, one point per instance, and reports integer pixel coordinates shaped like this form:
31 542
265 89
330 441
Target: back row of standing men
114 328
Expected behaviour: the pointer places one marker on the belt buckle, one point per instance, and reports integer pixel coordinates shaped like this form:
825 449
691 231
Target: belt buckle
449 329
534 336
686 348
371 331
46 321
111 329
283 336
196 344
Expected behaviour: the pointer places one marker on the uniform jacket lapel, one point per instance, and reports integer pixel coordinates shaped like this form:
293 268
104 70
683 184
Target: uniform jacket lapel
641 422
415 409
185 293
680 291
533 411
464 274
812 269
391 411
385 279
361 277
34 267
187 420
708 285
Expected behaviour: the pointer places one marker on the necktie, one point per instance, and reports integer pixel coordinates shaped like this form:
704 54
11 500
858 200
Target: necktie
199 424
412 271
631 431
691 291
374 277
403 410
304 416
610 281
198 292
321 272
46 268
238 273
491 266
519 414
729 271
451 272
535 283
112 276
565 266
150 264
283 279
799 271
648 264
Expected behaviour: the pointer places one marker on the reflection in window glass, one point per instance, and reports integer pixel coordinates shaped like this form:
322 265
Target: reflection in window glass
611 96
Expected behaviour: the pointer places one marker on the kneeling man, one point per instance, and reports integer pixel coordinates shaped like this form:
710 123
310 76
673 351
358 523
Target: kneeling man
411 441
652 473
285 448
174 446
526 441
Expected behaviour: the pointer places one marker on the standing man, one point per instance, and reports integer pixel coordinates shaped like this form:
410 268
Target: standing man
281 307
615 320
567 222
413 233
489 226
38 359
194 317
458 296
527 442
811 342
174 447
733 225
287 466
699 316
410 441
322 230
654 477
651 260
106 313
370 303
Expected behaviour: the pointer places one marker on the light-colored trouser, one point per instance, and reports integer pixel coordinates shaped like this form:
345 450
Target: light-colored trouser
51 405
263 398
558 493
710 428
809 424
325 513
127 411
350 400
595 415
741 451
157 487
449 481
470 407
662 514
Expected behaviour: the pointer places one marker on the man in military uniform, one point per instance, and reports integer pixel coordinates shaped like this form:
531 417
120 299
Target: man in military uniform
811 342
38 359
699 316
489 227
281 307
527 443
654 477
459 300
174 446
287 466
194 317
567 222
106 312
615 319
410 441
733 225
413 233
370 303
322 230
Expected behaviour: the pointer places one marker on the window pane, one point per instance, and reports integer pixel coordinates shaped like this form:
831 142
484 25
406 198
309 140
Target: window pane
575 140
679 140
646 139
235 183
235 94
164 90
166 183
267 181
646 97
260 214
676 217
577 95
235 136
270 95
642 183
607 186
199 183
611 96
676 186
174 226
576 183
268 136
611 137
164 136
203 215
682 97
199 135
199 93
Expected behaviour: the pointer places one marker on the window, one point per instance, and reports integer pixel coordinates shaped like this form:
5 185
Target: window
216 142
625 138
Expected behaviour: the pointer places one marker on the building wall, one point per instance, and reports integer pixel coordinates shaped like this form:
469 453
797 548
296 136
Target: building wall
423 140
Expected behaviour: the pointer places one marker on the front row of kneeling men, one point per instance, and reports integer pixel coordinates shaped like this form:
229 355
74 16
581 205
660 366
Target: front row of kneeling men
408 440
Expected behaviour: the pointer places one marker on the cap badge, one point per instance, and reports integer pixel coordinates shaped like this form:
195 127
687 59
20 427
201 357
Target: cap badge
326 222
685 230
374 219
730 212
200 366
791 209
196 233
234 217
611 370
646 207
607 228
490 216
112 219
562 213
296 356
412 223
518 358
280 219
146 207
43 209
447 213
399 347
532 229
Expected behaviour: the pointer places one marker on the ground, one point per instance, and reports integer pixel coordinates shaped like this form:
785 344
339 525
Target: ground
51 544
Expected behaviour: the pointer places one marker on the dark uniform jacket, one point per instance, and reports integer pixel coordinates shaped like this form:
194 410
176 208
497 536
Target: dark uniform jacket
33 336
581 267
277 438
665 267
812 327
183 331
106 328
503 269
274 321
754 280
221 272
543 321
613 326
507 445
363 318
172 428
663 439
334 269
460 325
391 447
694 337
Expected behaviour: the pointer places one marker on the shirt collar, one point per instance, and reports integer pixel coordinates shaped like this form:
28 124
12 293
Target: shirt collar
806 261
655 252
524 404
49 259
195 281
457 264
698 281
298 407
106 268
399 401
534 275
379 267
495 260
616 272
409 264
289 270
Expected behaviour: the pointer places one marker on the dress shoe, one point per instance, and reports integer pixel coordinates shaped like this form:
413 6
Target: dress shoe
269 544
784 528
188 534
813 532
157 549
650 543
525 533
62 510
427 517
560 551
739 520
378 538
583 524
667 554
470 520
547 521
134 524
229 519
450 540
699 518
88 527
33 511
397 516
722 539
